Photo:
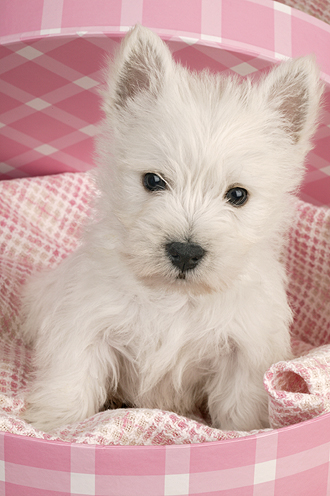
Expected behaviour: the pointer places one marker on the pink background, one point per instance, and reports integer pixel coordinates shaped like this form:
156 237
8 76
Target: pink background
51 54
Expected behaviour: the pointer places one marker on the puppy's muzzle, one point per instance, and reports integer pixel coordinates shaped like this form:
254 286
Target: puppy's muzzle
184 256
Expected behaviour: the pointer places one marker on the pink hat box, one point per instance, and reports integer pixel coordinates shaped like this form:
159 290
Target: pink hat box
51 58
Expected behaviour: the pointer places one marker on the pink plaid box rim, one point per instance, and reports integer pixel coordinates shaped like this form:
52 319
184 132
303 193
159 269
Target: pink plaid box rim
50 23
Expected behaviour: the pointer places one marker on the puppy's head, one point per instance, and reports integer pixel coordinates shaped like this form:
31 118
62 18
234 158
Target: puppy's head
197 171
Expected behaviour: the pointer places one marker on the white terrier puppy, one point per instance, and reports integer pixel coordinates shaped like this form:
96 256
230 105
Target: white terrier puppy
176 297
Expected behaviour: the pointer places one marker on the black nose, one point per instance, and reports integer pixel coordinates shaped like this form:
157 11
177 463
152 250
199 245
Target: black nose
185 256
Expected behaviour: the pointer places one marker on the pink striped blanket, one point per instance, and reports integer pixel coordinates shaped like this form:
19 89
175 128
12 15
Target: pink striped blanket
40 221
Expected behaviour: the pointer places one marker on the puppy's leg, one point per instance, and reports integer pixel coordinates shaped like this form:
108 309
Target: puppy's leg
71 385
237 398
65 315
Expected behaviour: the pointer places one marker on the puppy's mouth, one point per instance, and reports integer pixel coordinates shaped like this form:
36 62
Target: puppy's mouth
185 283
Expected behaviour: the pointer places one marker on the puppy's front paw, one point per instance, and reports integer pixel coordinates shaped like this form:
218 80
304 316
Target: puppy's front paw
44 419
47 411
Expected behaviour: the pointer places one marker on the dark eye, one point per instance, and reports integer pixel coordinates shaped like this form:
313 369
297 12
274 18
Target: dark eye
237 196
153 182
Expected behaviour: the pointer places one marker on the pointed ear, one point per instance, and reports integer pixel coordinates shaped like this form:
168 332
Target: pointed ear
141 66
294 90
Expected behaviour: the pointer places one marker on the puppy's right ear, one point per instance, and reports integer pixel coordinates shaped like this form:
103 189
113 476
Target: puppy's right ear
141 66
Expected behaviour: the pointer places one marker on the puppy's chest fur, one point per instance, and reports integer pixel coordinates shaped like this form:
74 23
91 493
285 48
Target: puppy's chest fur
173 345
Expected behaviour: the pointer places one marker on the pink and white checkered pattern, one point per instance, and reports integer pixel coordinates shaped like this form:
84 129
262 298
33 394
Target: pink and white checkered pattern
151 452
286 462
51 54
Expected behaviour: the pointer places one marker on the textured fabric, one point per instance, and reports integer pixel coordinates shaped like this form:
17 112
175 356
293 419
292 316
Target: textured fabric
316 8
40 221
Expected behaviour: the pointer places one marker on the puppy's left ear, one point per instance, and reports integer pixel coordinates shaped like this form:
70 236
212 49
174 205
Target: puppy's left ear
294 89
141 66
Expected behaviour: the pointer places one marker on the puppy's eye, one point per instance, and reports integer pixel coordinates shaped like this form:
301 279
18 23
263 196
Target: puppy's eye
237 196
153 182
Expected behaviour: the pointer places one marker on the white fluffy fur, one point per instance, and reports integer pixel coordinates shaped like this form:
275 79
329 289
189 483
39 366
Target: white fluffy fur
114 320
